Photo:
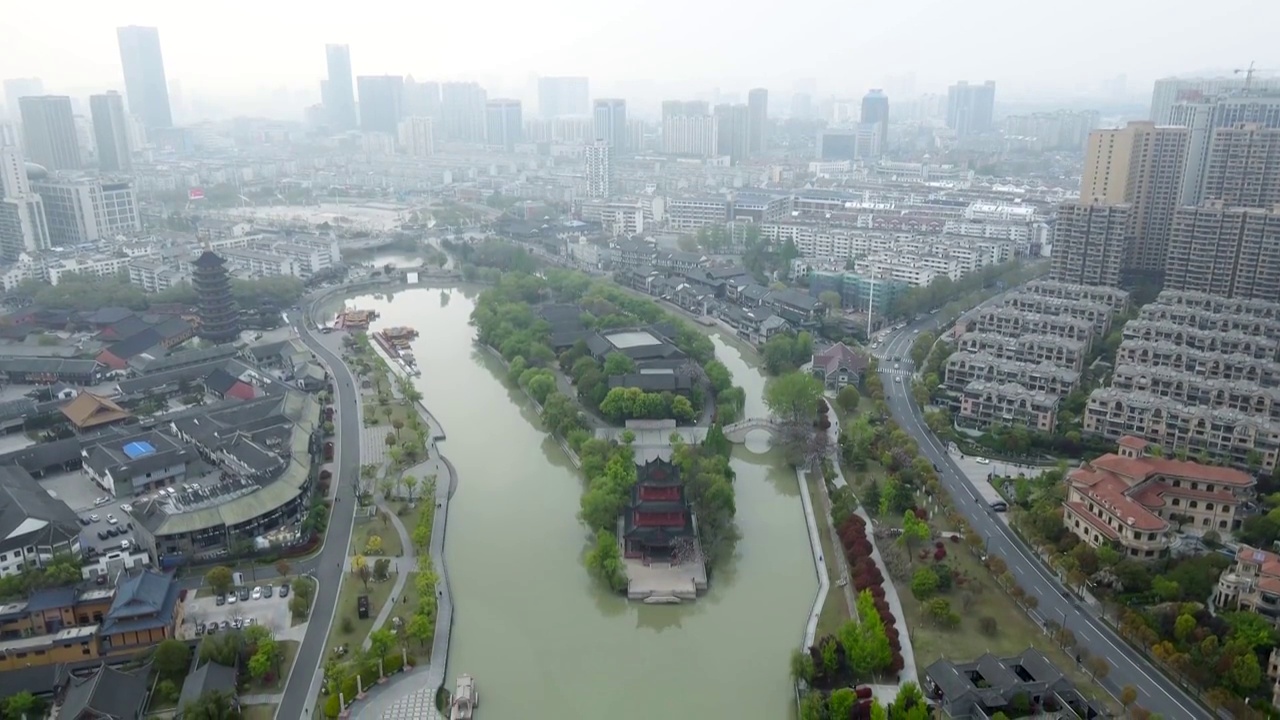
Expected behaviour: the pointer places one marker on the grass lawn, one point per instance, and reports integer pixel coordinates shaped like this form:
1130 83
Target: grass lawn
293 585
258 712
1015 629
835 611
366 527
290 649
347 615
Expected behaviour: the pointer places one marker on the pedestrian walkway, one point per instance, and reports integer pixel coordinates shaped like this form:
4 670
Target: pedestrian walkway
261 699
403 565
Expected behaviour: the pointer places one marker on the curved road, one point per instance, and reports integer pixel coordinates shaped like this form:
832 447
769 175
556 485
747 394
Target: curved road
1156 692
303 685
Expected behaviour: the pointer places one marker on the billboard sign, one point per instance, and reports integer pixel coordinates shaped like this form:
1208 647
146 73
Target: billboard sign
195 194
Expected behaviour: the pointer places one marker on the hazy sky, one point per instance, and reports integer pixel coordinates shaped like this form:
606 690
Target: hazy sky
217 47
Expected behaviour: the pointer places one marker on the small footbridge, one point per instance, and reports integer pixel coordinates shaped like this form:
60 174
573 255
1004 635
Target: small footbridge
737 432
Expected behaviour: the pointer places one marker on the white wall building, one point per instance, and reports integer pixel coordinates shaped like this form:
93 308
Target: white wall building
83 210
599 166
417 136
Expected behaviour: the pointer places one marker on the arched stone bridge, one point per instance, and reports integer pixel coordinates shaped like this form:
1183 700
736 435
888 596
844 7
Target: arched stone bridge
737 432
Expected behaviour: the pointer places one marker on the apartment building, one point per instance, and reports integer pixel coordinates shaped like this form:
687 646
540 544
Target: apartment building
1211 320
1231 252
1188 387
1227 436
1200 363
1228 341
616 217
1095 313
913 270
85 266
1011 321
693 213
1061 351
1138 501
966 367
1090 242
1112 297
259 264
154 276
82 210
1243 166
1219 304
760 207
1252 584
983 404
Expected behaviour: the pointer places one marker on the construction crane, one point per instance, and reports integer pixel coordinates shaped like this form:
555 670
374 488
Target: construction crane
1249 72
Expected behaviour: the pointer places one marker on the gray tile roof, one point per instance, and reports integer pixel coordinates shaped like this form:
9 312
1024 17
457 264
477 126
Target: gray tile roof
108 694
29 515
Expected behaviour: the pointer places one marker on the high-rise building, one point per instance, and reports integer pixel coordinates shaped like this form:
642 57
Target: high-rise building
1225 251
504 125
86 209
144 78
875 109
381 102
1061 130
421 99
861 142
688 128
1243 167
758 130
337 92
462 108
1168 92
111 132
215 305
49 131
733 131
1202 117
611 122
15 88
23 228
1140 164
970 108
1089 243
599 163
802 106
417 136
562 97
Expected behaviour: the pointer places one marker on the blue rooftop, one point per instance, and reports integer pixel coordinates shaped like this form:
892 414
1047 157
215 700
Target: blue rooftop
137 449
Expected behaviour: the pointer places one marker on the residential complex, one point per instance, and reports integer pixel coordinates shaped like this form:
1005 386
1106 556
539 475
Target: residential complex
1196 375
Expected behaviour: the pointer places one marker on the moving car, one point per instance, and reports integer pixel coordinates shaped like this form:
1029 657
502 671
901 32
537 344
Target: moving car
999 506
111 520
982 461
102 501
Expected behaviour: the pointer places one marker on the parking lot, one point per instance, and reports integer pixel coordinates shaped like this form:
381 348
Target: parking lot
272 613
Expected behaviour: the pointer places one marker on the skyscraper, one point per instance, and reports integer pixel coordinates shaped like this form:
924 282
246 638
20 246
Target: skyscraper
1140 164
417 136
970 108
338 94
562 97
421 99
381 102
688 128
1243 167
462 109
15 88
49 130
503 123
144 78
111 132
1089 243
1226 251
599 169
23 227
1168 92
611 122
733 131
1202 116
758 120
875 109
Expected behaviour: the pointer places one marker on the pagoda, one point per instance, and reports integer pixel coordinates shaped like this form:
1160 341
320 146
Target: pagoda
216 308
657 524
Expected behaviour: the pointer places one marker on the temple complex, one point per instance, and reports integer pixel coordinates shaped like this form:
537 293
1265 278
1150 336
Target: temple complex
659 537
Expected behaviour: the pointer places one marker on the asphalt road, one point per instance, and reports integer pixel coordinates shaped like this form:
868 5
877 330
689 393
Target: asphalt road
304 680
1156 692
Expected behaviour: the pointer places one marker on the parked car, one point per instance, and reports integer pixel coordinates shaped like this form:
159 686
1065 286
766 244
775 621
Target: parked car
93 518
231 598
999 506
220 600
257 593
102 535
225 625
103 500
284 590
111 520
244 593
86 521
124 545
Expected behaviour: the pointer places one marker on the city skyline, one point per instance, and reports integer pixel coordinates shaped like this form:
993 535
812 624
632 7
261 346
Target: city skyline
78 52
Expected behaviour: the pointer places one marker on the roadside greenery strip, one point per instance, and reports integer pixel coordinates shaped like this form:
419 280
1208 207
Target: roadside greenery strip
506 320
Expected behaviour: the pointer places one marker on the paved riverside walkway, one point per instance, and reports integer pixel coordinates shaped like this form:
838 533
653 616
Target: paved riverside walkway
403 565
815 545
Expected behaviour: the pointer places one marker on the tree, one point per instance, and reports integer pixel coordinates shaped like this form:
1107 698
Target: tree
604 562
283 567
420 628
398 424
374 545
385 486
830 298
219 579
793 397
391 439
410 485
801 665
924 583
360 568
172 659
23 705
848 398
913 530
842 701
618 364
381 641
1128 696
1098 667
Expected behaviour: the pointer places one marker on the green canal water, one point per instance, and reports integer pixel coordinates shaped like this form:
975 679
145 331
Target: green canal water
541 639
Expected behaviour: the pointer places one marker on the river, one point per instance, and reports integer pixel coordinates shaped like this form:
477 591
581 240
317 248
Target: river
542 639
